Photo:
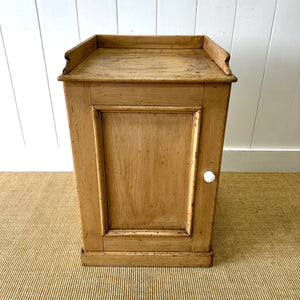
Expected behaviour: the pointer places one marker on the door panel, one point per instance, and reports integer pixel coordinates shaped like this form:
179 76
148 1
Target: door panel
147 165
146 159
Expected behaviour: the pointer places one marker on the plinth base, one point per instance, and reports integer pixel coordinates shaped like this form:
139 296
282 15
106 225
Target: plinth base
149 259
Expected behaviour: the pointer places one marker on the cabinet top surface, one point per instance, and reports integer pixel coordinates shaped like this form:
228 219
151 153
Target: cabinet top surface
147 59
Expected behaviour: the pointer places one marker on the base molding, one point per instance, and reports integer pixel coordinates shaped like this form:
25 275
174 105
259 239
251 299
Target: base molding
261 160
148 259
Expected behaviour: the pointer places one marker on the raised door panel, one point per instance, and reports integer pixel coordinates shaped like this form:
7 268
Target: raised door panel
146 160
147 164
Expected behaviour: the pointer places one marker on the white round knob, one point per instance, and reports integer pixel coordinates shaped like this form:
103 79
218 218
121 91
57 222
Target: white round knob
209 176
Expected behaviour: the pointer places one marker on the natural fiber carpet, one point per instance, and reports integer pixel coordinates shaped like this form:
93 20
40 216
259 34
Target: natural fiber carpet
255 244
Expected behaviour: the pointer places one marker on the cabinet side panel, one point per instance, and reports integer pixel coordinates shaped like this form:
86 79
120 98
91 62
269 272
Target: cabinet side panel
211 145
84 158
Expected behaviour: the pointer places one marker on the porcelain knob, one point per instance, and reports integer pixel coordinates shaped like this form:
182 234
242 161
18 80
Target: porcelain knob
209 176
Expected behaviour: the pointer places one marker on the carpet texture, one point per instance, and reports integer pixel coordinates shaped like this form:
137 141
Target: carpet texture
255 241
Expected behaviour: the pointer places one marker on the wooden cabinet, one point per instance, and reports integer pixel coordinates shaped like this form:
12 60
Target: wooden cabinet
147 116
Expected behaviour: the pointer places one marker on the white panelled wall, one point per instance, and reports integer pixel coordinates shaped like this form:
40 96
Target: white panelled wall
263 37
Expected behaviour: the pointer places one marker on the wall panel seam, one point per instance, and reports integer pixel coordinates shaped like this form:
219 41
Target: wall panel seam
156 21
46 72
234 24
13 87
77 16
264 74
196 13
117 16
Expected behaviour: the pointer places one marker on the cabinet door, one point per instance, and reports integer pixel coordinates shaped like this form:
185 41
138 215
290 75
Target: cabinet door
147 165
139 179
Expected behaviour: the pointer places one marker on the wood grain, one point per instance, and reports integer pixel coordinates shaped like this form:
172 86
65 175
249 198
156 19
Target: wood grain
147 243
162 94
192 164
162 259
77 54
193 170
211 145
160 233
147 165
148 108
100 169
140 151
144 42
85 166
150 65
219 55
